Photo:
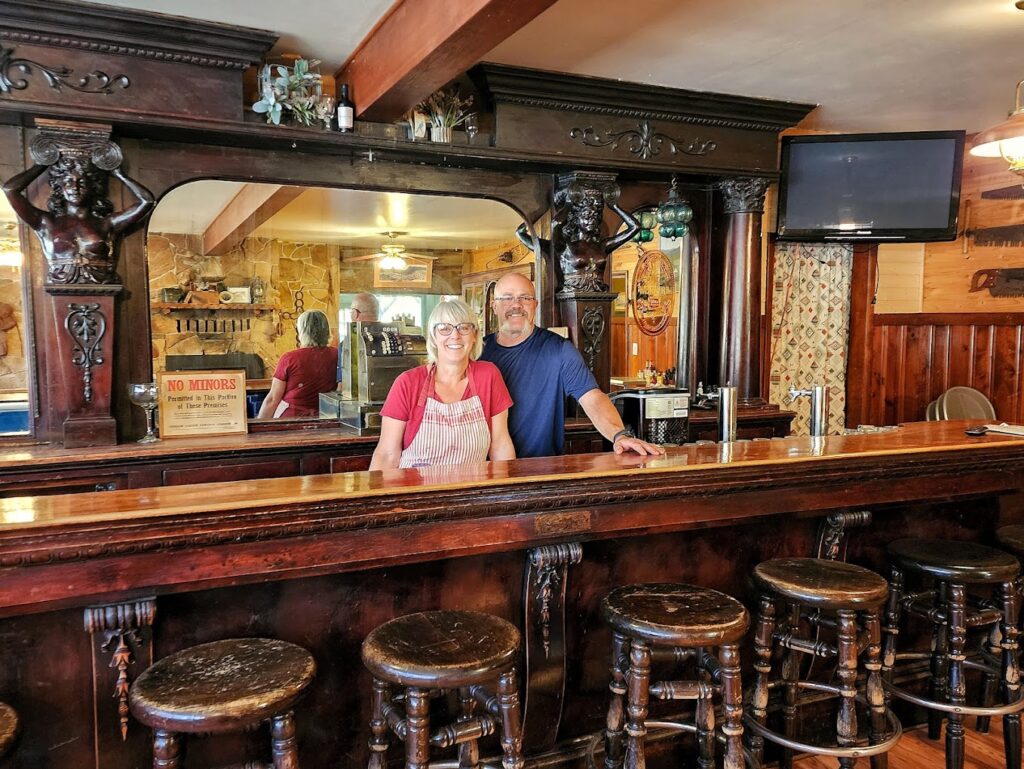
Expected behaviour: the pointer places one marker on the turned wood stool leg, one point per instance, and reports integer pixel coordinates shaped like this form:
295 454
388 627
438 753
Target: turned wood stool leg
511 721
957 615
166 750
873 690
891 630
732 705
469 751
790 677
937 684
846 671
637 683
616 720
989 680
763 669
284 749
705 717
417 719
379 726
1010 599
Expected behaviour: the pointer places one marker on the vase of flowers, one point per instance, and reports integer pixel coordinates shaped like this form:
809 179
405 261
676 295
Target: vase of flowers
292 92
445 109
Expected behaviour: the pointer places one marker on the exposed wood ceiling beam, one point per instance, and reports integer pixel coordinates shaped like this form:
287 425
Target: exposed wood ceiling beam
249 208
420 45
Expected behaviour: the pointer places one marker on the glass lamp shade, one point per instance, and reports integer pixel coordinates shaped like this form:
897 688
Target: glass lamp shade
1005 140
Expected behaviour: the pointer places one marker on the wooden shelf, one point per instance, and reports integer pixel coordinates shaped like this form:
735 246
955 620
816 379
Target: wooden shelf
168 307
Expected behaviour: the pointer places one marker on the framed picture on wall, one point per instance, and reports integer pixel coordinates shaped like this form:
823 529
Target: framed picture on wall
417 273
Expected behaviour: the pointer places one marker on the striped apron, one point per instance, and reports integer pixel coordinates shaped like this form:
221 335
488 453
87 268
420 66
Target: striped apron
450 433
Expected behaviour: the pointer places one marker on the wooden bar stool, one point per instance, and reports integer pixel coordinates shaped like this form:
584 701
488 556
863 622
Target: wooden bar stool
682 622
460 650
819 595
9 728
224 686
951 567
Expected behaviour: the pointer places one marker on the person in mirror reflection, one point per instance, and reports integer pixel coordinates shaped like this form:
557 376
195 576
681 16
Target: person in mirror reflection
302 374
365 308
452 411
541 369
79 231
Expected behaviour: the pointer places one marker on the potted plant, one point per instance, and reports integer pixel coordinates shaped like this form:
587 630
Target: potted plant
285 90
445 109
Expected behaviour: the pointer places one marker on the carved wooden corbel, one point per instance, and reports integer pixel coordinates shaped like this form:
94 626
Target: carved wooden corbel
547 568
122 633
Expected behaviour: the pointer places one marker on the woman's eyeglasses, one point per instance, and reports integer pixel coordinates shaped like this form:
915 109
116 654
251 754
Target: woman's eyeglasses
445 329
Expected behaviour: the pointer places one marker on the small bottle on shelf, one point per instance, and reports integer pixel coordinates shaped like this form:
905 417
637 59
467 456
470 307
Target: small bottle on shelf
346 111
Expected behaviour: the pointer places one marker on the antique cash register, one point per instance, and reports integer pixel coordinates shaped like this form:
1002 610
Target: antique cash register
372 355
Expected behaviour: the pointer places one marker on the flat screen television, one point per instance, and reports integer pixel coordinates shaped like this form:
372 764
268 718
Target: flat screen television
871 187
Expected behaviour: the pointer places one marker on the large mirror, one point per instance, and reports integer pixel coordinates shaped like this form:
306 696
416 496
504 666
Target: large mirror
233 265
14 360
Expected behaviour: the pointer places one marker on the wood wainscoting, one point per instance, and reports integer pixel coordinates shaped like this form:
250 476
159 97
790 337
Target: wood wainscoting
899 363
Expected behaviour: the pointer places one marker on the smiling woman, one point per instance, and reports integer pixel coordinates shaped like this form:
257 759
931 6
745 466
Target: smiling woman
314 248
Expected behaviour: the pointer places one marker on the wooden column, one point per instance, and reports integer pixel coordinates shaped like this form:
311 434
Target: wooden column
741 288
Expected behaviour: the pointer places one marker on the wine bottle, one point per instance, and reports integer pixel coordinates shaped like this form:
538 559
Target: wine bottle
346 111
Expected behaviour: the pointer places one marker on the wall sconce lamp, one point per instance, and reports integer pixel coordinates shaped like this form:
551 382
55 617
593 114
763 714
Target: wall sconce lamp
1005 140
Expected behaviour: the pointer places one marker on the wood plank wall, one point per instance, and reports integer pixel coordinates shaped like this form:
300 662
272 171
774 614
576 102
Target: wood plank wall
900 362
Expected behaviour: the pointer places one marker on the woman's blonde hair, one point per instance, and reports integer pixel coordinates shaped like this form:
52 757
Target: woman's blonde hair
313 328
453 311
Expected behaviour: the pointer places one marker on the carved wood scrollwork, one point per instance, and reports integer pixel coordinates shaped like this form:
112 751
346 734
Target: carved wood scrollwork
544 625
87 325
643 141
593 325
57 78
834 530
121 630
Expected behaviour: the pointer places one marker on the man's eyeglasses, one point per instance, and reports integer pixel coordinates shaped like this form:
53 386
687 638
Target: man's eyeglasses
522 299
445 329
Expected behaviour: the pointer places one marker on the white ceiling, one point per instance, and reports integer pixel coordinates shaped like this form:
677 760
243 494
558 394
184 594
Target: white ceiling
870 64
349 217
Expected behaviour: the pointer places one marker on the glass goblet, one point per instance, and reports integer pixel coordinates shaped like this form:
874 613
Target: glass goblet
144 394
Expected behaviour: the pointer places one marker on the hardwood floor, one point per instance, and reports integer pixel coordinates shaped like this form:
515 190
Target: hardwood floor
916 751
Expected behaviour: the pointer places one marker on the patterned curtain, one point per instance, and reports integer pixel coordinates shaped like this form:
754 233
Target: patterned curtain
810 328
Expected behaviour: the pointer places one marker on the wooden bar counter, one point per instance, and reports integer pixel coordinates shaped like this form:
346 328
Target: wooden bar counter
321 560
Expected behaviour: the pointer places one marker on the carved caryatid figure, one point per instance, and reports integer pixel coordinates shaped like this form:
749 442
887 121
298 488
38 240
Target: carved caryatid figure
80 231
581 251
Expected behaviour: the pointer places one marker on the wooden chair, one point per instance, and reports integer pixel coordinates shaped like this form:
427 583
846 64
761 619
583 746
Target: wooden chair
678 623
949 568
816 595
442 650
224 686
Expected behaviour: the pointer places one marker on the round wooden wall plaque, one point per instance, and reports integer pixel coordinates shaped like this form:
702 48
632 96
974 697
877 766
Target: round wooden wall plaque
654 292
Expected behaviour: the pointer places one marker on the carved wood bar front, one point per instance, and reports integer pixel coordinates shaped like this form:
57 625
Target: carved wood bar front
320 561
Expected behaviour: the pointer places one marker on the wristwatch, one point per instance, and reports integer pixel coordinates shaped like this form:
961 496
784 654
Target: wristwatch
625 432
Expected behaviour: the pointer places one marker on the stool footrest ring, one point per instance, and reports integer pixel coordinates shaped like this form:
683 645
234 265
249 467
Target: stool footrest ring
667 726
946 707
853 751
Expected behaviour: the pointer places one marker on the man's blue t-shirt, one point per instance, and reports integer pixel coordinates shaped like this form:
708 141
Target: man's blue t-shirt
539 373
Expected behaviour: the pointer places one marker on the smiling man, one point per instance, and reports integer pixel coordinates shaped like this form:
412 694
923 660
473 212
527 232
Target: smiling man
541 368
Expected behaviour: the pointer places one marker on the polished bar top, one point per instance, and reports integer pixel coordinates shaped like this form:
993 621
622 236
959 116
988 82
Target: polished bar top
77 549
914 442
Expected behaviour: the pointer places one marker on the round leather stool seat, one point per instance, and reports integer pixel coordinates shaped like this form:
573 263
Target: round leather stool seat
822 583
222 686
441 649
675 615
959 562
1012 537
8 728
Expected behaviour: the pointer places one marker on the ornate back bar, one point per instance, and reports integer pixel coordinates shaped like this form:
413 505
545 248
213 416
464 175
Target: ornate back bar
166 95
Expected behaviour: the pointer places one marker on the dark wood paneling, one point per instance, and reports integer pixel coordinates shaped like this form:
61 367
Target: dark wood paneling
234 471
912 359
